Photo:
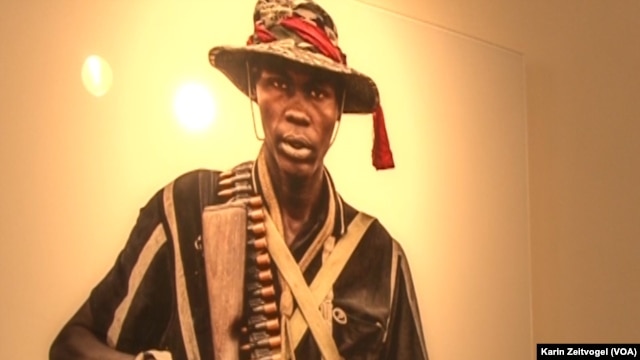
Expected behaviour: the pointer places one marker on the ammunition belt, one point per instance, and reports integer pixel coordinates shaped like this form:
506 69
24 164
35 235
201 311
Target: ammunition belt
260 339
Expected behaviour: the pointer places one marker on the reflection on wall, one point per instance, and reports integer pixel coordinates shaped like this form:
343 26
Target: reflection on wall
96 75
86 164
194 106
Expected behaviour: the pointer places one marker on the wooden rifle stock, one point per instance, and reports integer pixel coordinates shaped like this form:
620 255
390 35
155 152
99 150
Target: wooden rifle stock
224 245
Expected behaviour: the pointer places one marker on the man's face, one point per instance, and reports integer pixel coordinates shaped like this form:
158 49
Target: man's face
299 110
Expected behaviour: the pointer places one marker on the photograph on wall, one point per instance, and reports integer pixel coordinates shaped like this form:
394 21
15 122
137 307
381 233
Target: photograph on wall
261 180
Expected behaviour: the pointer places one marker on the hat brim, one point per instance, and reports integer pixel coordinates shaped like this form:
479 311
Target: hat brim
361 95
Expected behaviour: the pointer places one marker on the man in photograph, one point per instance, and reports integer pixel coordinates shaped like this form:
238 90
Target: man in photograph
263 261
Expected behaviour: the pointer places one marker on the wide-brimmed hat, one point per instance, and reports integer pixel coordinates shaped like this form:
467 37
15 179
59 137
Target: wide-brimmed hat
303 32
280 30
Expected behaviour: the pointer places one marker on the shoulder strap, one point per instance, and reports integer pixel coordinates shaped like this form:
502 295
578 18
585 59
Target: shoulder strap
290 271
331 269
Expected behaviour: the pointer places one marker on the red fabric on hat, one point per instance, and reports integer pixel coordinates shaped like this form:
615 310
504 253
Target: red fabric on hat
314 36
261 32
381 153
308 32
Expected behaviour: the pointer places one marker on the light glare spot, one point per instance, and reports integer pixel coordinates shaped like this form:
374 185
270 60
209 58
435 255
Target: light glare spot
194 106
96 75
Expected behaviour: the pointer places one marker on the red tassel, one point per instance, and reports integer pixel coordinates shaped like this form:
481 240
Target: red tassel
381 153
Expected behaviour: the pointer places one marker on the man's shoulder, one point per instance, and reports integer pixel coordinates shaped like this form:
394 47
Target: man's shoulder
191 179
195 187
376 233
377 237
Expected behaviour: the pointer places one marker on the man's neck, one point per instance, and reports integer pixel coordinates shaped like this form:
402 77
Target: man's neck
299 200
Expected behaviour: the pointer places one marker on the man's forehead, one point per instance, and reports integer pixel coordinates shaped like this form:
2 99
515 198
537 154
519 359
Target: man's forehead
293 69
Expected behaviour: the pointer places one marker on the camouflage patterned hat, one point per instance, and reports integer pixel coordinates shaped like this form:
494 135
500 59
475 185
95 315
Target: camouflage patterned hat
301 31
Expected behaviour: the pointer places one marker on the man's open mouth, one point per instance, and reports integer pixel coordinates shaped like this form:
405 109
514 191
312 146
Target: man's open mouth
296 148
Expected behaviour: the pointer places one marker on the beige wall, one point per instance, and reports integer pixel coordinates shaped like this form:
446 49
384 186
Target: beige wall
583 84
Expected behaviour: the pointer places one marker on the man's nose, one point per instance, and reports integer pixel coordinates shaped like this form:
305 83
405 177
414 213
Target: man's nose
296 112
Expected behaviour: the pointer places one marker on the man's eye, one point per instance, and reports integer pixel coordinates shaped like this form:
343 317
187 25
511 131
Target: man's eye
318 93
279 84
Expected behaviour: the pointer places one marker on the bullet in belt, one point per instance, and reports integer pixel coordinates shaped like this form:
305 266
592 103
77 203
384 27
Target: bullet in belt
239 188
268 308
265 292
226 182
237 177
253 302
263 259
256 215
226 174
258 244
257 228
272 324
245 167
255 201
243 187
262 275
271 342
226 192
265 275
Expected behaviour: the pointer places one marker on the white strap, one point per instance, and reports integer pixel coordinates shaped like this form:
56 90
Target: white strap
331 269
291 273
